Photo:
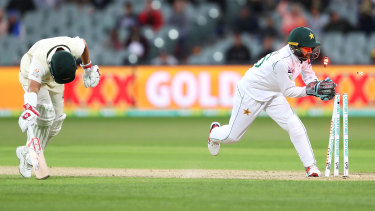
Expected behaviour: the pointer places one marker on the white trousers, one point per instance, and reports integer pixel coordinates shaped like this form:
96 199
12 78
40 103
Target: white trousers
245 110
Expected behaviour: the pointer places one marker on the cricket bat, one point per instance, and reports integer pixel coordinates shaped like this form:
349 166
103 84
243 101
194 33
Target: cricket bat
39 162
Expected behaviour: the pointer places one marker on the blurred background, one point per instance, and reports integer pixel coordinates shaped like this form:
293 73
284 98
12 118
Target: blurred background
157 32
186 56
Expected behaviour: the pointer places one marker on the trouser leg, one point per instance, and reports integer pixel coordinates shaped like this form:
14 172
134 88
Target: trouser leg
279 110
244 111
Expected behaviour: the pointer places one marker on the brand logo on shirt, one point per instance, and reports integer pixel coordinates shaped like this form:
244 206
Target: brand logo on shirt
35 73
290 72
246 112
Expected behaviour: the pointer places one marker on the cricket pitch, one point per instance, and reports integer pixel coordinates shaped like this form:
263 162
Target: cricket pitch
187 173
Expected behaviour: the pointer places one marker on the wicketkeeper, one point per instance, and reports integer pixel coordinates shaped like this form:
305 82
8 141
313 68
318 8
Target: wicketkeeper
265 87
45 68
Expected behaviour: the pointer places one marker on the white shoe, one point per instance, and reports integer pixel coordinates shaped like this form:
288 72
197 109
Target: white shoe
25 167
312 171
213 147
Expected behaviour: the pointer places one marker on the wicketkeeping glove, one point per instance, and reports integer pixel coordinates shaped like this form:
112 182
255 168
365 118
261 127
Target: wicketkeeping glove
325 89
91 76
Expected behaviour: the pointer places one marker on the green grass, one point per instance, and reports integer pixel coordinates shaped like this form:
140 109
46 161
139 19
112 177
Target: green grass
182 143
70 193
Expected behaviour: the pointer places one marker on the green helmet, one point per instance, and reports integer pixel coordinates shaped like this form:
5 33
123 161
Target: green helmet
304 37
63 67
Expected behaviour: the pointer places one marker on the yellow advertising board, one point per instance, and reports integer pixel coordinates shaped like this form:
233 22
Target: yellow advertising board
11 92
128 90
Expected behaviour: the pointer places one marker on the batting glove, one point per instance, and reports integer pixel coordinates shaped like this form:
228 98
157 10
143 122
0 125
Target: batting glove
91 75
28 117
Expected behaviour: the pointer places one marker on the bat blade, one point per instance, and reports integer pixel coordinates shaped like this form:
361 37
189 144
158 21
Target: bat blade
39 162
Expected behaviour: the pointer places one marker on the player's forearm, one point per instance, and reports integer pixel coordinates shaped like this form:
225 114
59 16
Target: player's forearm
85 57
31 96
295 92
33 86
288 87
307 78
308 75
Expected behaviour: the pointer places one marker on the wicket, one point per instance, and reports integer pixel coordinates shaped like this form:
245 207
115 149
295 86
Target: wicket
334 138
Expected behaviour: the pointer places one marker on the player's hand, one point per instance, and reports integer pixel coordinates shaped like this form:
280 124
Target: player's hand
326 97
28 117
332 94
91 76
325 89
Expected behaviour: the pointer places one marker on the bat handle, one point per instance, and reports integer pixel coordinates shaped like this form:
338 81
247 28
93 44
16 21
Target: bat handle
30 135
30 131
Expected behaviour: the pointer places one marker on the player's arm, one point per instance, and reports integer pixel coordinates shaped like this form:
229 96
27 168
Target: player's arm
85 57
34 86
30 114
287 85
308 75
91 74
325 89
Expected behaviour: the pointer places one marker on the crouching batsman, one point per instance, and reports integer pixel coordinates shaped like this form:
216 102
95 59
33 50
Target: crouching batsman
265 87
45 68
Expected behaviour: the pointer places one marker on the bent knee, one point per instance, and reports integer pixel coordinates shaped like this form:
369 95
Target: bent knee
46 115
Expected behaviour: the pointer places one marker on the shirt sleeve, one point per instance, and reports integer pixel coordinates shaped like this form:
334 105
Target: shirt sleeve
286 84
308 74
36 71
77 47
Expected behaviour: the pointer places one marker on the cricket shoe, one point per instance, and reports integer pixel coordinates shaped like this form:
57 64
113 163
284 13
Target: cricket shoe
213 147
312 171
25 167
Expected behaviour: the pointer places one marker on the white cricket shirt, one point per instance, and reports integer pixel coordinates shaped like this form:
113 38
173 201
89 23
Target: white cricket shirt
275 73
34 64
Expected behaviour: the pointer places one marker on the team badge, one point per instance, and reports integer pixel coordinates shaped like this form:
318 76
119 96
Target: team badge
246 112
311 36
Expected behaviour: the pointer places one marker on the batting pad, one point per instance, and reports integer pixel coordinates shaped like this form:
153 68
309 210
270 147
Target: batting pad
43 123
55 128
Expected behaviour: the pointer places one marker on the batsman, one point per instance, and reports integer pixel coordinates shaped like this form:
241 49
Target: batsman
45 68
265 87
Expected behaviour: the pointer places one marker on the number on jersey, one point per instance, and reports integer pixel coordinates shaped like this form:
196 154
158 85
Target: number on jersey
265 58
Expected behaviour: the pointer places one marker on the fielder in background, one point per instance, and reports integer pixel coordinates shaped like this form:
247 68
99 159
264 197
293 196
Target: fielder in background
45 68
265 87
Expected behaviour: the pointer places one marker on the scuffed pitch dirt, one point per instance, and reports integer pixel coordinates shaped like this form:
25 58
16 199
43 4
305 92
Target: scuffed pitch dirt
188 173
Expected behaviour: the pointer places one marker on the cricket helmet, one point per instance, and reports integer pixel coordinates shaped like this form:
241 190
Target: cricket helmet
63 67
303 43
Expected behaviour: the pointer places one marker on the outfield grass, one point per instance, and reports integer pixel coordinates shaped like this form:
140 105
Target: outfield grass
70 193
182 143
